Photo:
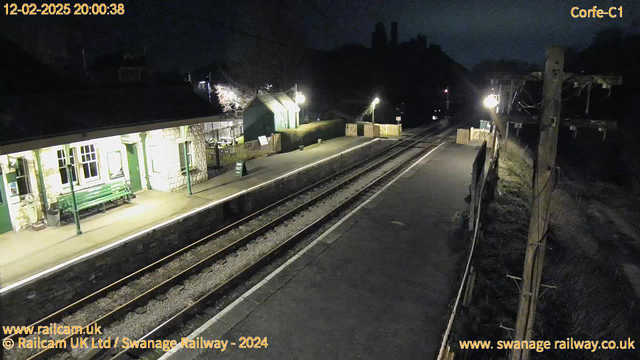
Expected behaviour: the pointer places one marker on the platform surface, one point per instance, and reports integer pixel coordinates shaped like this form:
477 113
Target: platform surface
377 286
28 252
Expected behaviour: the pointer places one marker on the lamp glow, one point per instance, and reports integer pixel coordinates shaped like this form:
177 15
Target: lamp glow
491 101
300 99
375 102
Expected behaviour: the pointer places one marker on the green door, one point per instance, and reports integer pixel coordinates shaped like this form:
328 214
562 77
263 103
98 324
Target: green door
134 168
5 218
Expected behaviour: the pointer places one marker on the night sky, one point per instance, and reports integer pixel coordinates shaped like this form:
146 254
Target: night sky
470 31
186 34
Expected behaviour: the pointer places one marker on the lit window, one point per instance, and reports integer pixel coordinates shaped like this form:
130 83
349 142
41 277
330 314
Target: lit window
89 161
114 160
181 149
62 166
22 176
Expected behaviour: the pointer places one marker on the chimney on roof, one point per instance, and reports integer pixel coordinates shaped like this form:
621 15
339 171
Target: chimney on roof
379 37
422 41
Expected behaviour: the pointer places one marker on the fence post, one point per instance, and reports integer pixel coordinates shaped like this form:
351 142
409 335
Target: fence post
217 151
469 289
472 202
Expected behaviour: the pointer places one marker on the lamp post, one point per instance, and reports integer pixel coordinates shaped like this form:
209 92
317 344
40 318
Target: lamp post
491 101
76 217
300 99
183 130
375 102
446 91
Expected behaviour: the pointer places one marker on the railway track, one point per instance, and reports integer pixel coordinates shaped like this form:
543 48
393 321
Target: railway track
218 253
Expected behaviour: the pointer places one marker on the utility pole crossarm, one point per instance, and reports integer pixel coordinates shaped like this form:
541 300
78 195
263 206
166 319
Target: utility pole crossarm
606 80
566 122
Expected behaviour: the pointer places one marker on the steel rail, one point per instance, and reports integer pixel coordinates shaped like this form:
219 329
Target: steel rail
253 268
209 260
158 263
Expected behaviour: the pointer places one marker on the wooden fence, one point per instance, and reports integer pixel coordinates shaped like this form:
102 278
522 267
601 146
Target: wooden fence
371 130
220 160
476 136
480 135
390 129
351 130
484 180
462 137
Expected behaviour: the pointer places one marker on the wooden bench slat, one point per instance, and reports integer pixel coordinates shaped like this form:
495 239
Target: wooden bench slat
94 196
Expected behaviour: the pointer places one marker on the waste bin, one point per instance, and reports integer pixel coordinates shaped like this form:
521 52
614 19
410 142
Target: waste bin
461 219
53 217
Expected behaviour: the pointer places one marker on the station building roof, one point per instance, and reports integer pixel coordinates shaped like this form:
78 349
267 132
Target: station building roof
34 121
276 102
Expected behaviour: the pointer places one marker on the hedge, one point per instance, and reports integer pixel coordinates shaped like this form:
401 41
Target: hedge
308 134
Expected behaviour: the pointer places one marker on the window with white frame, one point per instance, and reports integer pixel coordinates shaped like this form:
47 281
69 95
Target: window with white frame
62 166
114 161
181 151
155 158
89 158
22 176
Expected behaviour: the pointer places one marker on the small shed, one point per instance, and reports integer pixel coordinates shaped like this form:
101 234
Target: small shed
269 113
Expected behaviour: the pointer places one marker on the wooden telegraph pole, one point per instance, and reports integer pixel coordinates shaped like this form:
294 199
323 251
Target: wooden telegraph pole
542 185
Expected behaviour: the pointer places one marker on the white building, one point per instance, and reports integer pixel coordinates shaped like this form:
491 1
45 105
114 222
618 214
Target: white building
127 137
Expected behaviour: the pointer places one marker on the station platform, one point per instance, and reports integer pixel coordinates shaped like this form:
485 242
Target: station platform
28 253
377 285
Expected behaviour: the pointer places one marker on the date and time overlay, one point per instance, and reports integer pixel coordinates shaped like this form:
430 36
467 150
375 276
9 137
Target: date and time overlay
63 9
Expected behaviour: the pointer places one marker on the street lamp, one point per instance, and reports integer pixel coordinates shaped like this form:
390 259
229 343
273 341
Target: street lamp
375 102
300 99
446 91
491 101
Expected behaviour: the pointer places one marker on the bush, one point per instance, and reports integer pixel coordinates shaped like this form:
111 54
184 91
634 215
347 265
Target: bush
310 133
594 300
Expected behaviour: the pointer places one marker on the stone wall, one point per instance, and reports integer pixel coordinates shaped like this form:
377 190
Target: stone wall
166 176
38 298
163 147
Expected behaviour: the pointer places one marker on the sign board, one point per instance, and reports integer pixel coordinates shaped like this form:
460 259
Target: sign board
13 189
398 118
241 168
263 140
130 139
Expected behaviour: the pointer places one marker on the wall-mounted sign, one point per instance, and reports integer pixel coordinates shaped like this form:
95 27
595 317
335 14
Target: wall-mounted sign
13 189
130 138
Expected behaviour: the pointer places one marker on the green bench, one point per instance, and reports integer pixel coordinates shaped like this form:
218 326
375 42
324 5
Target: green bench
95 196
